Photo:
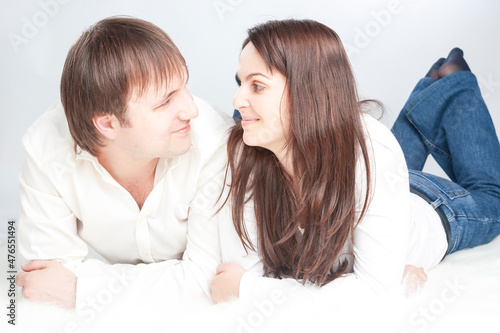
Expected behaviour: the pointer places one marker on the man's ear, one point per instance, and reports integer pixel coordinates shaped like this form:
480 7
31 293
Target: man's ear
107 125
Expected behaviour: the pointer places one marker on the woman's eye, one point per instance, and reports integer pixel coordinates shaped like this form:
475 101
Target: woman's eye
257 87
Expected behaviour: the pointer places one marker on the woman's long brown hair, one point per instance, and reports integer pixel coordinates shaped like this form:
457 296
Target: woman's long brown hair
325 140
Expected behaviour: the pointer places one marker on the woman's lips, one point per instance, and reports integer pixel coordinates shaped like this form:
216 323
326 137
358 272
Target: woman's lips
248 121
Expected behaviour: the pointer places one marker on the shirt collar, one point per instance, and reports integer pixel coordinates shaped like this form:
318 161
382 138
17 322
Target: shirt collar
164 165
82 154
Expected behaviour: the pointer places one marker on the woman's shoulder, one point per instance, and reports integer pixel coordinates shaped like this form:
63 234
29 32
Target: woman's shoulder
378 135
387 161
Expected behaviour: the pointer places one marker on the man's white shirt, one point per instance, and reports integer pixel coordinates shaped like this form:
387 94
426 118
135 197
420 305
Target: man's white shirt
69 200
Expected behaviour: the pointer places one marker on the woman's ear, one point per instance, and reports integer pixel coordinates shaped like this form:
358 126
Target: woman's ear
106 124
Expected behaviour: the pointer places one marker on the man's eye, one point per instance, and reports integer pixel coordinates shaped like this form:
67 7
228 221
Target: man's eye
238 81
166 102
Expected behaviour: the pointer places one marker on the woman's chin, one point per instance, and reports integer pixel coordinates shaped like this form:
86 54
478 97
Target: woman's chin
250 140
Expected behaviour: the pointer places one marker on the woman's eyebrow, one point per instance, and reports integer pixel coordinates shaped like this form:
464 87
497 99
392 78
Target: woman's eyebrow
249 76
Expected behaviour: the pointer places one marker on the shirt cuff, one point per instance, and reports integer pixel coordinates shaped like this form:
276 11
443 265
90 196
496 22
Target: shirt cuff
72 265
248 285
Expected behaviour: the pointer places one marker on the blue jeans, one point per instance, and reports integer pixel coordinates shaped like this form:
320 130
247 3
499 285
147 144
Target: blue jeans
448 119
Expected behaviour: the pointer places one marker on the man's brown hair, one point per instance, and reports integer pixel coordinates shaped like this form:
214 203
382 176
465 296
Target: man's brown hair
113 60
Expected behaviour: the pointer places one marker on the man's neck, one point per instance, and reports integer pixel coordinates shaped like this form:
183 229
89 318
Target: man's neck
133 174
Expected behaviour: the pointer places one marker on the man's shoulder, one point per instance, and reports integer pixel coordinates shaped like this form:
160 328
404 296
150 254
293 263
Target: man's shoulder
49 135
210 129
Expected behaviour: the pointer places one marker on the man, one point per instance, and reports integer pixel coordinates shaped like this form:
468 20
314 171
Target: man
129 164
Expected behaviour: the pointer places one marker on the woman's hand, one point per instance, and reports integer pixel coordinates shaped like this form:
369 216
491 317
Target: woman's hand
226 283
414 278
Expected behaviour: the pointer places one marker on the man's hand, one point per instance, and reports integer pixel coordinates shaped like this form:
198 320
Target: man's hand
48 281
414 279
226 283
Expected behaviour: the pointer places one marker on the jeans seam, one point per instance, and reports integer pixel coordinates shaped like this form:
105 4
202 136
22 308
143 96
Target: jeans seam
442 216
453 216
484 220
456 194
426 141
455 242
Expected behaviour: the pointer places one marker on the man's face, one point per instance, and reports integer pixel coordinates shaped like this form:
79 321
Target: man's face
158 122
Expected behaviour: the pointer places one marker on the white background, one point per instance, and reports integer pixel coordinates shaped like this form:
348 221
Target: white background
391 43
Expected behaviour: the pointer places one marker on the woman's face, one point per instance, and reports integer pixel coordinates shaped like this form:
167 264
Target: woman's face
261 100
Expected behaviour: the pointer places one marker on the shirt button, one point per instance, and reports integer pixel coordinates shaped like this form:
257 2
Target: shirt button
145 254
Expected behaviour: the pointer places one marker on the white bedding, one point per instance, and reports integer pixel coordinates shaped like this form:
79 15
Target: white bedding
462 295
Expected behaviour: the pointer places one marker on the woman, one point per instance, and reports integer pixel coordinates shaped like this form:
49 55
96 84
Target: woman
319 188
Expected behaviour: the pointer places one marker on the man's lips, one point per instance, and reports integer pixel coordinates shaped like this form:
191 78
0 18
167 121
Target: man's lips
184 130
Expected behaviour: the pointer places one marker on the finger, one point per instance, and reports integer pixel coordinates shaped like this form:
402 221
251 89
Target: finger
21 279
216 298
214 282
212 285
35 264
422 275
214 291
221 268
28 293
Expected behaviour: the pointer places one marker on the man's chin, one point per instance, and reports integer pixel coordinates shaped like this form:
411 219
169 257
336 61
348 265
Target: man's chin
180 148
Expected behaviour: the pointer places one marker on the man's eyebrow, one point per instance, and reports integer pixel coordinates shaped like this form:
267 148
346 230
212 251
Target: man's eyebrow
161 99
170 93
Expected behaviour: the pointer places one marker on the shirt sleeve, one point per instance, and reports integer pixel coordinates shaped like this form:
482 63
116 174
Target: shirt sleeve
47 226
175 280
380 238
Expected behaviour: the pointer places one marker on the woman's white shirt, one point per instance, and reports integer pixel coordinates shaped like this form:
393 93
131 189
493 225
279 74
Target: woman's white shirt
381 240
